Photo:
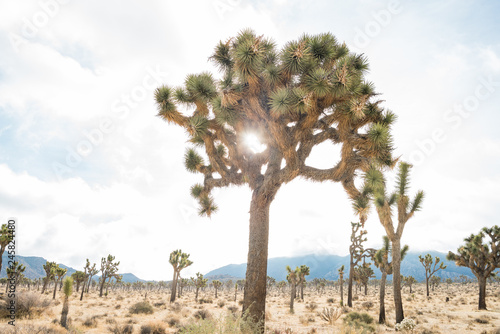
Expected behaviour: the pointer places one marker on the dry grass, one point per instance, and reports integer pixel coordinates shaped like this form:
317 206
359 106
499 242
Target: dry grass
101 315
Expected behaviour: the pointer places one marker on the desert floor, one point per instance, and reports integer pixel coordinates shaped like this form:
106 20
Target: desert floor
109 314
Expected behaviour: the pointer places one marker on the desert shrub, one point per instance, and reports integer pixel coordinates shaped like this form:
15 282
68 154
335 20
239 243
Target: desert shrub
367 305
30 329
155 327
282 331
202 314
482 320
121 329
233 308
159 304
205 301
176 307
173 322
330 315
221 303
28 305
330 300
406 325
360 321
90 322
228 324
311 306
355 298
141 307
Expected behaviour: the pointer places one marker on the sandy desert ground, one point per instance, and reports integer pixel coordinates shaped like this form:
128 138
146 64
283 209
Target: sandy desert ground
112 314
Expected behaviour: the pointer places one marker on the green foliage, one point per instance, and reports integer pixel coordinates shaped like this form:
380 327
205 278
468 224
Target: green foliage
360 321
68 286
192 160
141 308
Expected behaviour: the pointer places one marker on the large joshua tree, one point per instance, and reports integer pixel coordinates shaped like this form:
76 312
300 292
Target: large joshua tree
179 261
109 270
383 263
482 258
49 268
287 101
406 208
431 267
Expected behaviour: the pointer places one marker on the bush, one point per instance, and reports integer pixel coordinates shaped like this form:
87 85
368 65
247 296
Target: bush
311 306
28 305
360 321
173 322
121 329
330 300
91 322
153 328
221 303
202 314
205 301
30 329
367 305
406 325
330 315
141 307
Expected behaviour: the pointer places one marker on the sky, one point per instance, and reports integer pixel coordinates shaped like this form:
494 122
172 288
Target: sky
88 170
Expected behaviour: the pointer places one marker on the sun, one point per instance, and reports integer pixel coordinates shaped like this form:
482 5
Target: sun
252 141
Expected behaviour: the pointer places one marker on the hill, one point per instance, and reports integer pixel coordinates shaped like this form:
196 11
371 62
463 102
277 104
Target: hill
326 266
34 268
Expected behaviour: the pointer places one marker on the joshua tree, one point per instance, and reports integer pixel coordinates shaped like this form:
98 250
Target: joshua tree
431 267
409 281
68 290
356 252
49 268
293 278
481 257
91 271
217 284
235 291
362 274
271 281
109 270
405 210
79 277
199 282
434 282
285 102
341 283
179 261
304 271
382 262
14 274
6 236
58 276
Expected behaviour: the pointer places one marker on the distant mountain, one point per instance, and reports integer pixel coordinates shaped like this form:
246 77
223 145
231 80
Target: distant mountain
326 266
34 268
222 278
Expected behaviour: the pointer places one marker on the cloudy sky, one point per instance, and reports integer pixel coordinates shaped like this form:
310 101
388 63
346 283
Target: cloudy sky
88 170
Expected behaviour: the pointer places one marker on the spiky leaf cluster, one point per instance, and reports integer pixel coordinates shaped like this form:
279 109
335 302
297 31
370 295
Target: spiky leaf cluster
308 92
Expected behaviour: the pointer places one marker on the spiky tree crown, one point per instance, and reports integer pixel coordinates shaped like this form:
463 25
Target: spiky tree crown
309 92
481 257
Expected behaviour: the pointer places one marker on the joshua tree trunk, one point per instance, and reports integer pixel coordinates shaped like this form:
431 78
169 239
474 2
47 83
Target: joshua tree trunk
64 314
349 285
482 292
366 288
174 287
83 289
196 297
292 296
427 285
381 314
235 292
302 291
342 292
45 281
55 289
396 278
254 300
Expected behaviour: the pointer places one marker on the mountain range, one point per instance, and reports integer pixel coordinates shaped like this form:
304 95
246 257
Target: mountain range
321 266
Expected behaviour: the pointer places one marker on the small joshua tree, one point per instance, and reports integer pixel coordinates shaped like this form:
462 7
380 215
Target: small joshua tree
109 270
217 284
58 276
481 257
199 282
434 282
68 290
293 278
431 267
49 268
14 274
179 261
341 283
79 277
304 271
362 274
409 281
357 253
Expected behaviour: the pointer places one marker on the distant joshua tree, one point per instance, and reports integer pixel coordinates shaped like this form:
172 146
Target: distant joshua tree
481 257
431 267
382 262
341 283
49 268
79 277
179 261
362 274
293 278
384 202
217 284
304 271
409 281
434 282
90 271
109 270
199 282
59 273
14 274
68 290
6 237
